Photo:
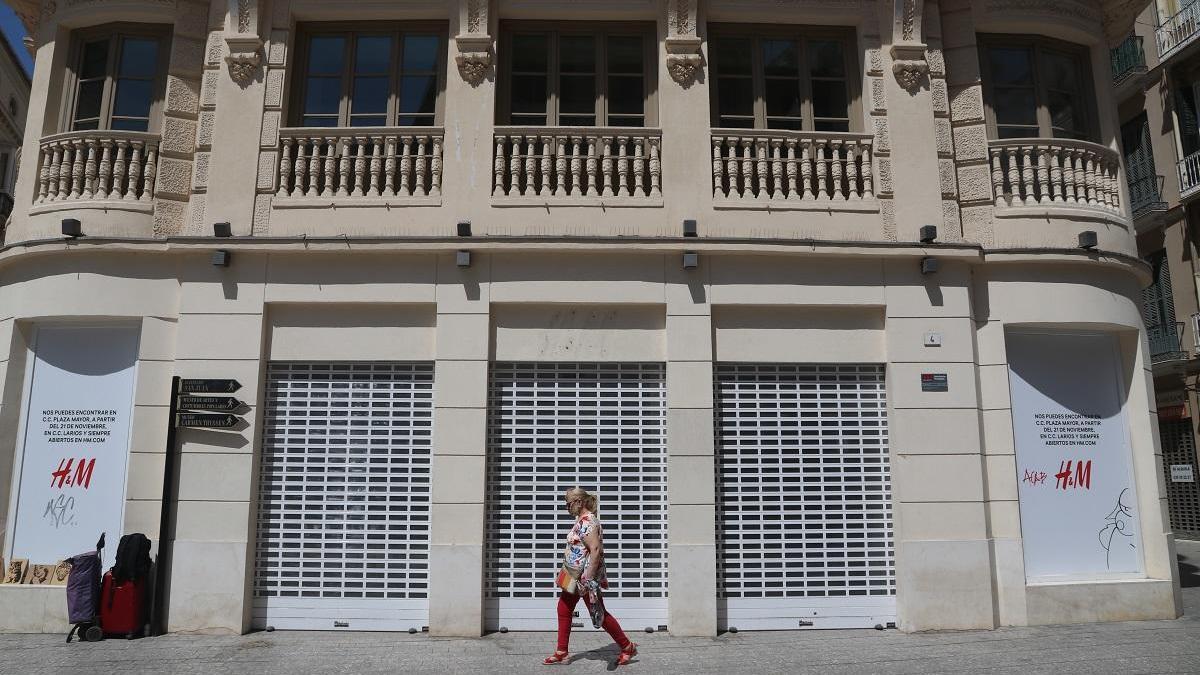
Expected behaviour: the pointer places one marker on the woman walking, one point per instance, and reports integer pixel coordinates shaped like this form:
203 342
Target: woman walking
582 575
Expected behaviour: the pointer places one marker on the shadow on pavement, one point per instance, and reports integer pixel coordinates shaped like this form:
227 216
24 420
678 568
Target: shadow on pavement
1189 574
606 654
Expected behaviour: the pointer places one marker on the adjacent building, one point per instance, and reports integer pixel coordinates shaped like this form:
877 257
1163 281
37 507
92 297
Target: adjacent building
14 103
836 304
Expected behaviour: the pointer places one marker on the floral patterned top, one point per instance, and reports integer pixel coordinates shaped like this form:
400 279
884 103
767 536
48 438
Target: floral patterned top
577 550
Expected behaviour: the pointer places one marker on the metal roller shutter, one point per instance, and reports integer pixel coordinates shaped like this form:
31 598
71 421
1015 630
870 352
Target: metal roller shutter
556 425
1183 499
343 520
804 511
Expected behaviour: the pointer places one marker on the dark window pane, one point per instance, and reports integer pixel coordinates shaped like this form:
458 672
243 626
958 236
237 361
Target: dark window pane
88 104
577 120
418 94
322 95
779 58
130 125
373 55
731 55
370 95
626 95
794 125
1010 65
783 97
576 54
825 59
633 121
313 121
133 98
829 99
529 53
737 123
1063 114
1060 72
529 120
529 93
326 54
625 55
86 125
356 121
415 121
735 96
1018 132
139 58
95 60
832 125
1015 106
421 52
577 94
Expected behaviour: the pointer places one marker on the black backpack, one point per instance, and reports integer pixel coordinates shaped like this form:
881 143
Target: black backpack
133 558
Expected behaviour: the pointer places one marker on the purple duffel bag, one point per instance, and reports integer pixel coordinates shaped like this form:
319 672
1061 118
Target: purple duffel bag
83 587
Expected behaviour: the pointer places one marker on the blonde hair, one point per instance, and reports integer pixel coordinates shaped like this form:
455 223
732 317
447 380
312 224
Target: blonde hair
589 498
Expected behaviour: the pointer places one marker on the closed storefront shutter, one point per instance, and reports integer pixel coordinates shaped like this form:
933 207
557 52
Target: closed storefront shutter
804 511
343 521
553 426
1183 497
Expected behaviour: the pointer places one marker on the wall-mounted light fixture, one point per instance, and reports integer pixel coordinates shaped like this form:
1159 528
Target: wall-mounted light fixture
222 230
689 228
71 227
928 234
929 265
1087 239
463 259
691 260
464 228
221 258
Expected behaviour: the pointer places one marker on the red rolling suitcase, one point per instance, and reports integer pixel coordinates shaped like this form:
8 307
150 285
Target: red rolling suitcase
122 607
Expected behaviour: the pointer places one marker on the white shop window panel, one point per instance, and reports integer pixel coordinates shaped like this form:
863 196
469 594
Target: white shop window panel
343 520
804 514
552 426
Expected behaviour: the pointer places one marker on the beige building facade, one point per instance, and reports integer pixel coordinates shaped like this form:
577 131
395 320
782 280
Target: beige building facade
461 256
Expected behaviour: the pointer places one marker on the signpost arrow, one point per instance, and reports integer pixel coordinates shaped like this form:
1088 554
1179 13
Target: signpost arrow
206 420
208 386
223 403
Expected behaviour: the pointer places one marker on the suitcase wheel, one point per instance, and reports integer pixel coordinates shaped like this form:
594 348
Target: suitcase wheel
93 634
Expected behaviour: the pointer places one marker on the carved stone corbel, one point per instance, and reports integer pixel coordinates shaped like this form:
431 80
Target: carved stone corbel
474 44
684 60
909 63
245 45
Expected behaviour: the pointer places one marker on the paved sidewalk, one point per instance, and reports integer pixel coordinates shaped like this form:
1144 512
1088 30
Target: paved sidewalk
1133 647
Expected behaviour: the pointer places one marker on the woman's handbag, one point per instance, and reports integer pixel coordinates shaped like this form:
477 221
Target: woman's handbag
568 578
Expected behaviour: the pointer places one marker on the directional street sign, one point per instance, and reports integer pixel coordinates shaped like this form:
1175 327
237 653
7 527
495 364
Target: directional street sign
208 386
223 403
206 420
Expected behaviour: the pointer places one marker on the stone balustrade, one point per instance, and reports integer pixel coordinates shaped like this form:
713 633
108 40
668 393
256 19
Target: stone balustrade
360 162
97 165
1055 172
753 165
577 162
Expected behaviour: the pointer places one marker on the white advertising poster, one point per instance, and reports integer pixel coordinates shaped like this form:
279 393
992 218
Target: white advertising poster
76 442
1079 515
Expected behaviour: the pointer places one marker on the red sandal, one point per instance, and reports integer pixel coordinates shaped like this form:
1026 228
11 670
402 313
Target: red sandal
627 654
556 657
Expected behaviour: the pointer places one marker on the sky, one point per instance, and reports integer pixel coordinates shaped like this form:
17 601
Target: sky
15 32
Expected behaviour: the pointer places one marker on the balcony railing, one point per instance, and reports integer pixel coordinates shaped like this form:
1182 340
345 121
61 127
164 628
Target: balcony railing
1145 193
1127 59
577 164
791 165
97 165
1054 172
1166 343
1178 31
360 162
1189 175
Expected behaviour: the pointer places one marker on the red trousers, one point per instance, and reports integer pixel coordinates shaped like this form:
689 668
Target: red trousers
566 610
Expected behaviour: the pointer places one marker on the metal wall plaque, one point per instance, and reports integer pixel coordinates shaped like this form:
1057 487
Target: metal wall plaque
934 382
208 386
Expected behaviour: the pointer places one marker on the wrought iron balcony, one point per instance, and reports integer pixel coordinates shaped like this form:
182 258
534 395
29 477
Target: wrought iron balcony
1166 343
1128 59
1178 31
1145 192
1189 175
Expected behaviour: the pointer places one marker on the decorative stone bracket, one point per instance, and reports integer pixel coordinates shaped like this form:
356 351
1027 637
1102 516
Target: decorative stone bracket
474 57
241 36
909 63
684 60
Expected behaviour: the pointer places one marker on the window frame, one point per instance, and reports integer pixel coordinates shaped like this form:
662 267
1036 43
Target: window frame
600 30
352 30
1040 46
115 33
800 34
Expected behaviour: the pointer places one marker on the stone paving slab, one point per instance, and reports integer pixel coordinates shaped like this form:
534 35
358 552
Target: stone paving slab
1124 648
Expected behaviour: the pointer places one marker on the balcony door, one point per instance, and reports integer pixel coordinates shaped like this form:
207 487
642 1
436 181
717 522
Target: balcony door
1139 162
1158 310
